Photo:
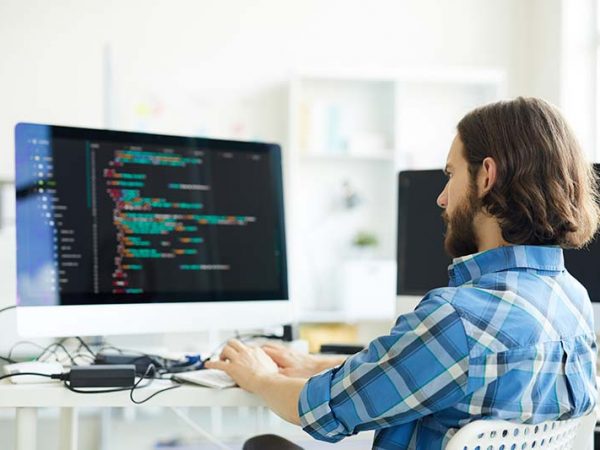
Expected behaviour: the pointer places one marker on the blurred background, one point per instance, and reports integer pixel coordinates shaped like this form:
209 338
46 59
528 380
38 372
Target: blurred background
354 92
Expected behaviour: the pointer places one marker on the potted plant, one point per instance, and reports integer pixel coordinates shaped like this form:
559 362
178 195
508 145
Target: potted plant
365 242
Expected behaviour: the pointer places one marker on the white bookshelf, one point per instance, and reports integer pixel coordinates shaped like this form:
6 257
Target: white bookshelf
355 130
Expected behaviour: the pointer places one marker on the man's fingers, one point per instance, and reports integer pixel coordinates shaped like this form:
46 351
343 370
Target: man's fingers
276 355
228 353
271 351
273 346
237 345
221 365
286 371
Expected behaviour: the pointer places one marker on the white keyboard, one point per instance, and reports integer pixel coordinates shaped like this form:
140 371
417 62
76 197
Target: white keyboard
206 377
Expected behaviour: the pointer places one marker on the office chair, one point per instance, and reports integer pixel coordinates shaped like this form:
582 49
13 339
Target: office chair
576 434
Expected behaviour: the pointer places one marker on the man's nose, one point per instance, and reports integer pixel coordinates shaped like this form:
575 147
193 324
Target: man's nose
442 200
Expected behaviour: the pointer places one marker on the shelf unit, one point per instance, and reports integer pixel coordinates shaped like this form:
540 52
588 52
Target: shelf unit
350 133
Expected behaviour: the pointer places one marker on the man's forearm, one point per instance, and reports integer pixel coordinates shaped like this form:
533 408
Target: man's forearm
282 394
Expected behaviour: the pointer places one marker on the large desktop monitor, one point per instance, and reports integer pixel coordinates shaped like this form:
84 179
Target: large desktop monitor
121 232
422 262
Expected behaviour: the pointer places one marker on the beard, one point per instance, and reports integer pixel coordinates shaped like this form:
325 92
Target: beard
460 239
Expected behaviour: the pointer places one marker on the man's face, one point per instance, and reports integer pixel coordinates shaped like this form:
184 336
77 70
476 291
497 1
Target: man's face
460 203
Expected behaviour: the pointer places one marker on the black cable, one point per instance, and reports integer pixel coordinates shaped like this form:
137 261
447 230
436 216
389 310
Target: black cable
163 367
101 391
58 376
51 348
87 347
91 359
7 308
60 344
112 347
139 402
57 345
65 376
148 370
16 344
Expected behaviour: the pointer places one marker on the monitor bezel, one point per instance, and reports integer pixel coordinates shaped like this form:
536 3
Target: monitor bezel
188 315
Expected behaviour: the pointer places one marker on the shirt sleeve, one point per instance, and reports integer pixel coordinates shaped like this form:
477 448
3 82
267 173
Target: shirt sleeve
421 367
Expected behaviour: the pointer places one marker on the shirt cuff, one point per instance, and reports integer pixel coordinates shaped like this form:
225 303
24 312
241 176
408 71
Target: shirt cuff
316 416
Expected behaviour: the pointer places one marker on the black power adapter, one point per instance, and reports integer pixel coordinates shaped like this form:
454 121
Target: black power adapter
101 376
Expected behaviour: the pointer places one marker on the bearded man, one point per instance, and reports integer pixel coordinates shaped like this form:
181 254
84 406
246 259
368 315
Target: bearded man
510 338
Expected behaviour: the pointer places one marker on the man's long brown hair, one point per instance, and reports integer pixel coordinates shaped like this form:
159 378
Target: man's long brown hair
545 192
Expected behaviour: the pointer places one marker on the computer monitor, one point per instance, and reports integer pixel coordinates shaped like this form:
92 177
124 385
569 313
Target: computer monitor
584 265
422 262
121 232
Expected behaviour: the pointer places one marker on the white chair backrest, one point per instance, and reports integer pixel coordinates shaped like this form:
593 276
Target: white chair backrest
576 434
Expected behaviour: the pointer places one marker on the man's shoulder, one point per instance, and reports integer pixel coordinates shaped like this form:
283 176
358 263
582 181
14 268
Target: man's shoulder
448 295
521 294
494 320
468 301
500 315
437 297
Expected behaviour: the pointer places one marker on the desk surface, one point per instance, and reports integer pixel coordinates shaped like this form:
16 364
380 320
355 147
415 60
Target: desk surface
56 395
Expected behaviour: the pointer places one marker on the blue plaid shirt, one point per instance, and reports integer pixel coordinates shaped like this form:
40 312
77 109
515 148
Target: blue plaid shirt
511 338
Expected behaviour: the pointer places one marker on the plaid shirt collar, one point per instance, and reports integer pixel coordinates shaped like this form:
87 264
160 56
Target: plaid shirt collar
536 257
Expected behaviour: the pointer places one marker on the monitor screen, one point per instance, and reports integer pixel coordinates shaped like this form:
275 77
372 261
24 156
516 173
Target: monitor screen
107 217
422 262
584 264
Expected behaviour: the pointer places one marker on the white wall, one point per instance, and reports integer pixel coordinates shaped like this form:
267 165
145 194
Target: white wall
579 71
240 53
51 66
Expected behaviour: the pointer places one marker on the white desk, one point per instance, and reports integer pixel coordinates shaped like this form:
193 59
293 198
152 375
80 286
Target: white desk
28 398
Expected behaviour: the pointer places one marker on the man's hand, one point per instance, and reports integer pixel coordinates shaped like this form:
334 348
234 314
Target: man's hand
248 366
254 370
293 363
300 365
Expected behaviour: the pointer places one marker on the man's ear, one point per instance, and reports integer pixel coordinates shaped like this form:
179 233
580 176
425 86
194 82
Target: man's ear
488 174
